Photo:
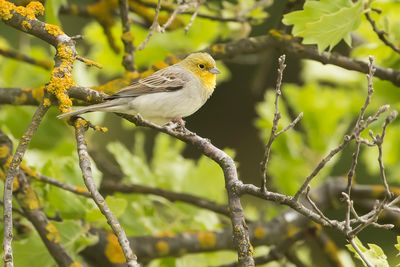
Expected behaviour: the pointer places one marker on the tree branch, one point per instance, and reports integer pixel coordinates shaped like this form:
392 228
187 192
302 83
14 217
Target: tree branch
84 162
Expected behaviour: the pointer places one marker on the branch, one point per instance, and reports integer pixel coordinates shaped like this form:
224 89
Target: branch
24 58
381 34
31 209
84 162
12 172
286 44
110 188
240 231
127 40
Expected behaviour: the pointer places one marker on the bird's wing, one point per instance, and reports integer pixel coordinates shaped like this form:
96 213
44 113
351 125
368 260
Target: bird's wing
165 80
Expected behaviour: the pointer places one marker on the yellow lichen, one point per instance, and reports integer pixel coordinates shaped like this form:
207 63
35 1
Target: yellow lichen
218 49
162 247
103 11
46 102
75 264
79 123
259 232
5 9
26 25
113 250
119 83
38 93
207 239
146 73
4 151
376 191
127 36
53 29
22 98
61 77
28 170
52 233
30 200
81 189
100 129
160 65
31 10
330 247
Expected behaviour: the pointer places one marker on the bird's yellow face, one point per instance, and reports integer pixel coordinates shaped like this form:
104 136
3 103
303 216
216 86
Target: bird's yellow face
204 67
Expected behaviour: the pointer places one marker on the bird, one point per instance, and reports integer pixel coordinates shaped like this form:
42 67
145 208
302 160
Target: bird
168 95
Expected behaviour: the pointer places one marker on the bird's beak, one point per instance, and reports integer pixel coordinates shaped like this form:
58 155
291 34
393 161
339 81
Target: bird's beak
214 70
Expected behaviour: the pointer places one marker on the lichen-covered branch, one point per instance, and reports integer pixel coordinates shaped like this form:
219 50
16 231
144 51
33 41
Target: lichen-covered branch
32 210
128 57
13 170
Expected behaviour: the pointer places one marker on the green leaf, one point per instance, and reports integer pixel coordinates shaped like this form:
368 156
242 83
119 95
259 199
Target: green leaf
325 23
374 254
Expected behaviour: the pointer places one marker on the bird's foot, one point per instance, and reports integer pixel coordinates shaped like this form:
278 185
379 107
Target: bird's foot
176 124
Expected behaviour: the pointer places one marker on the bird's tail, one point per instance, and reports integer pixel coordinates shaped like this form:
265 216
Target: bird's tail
106 106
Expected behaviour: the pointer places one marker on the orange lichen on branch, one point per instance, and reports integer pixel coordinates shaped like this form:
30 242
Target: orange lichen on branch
292 230
4 151
28 170
162 247
75 264
5 9
119 83
30 11
61 77
26 25
103 11
53 29
113 250
89 62
38 93
52 233
207 239
29 199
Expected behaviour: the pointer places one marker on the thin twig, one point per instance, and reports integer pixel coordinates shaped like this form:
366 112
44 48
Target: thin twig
84 162
171 196
381 34
8 184
277 117
22 57
128 58
194 15
155 26
359 252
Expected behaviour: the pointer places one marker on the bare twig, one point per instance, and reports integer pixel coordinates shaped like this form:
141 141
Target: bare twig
84 162
274 130
198 3
128 59
171 196
8 184
22 57
155 26
382 35
359 252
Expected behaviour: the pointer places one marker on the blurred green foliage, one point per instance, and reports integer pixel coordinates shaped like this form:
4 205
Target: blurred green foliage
329 97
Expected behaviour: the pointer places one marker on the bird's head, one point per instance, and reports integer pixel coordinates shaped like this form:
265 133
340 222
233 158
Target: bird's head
204 67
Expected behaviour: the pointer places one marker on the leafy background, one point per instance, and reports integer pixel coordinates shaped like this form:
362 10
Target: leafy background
238 118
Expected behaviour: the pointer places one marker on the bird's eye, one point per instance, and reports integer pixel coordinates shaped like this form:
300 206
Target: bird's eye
201 66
